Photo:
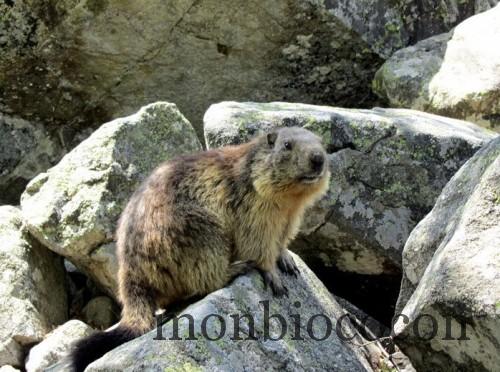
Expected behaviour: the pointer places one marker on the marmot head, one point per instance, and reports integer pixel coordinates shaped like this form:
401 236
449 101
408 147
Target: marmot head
293 157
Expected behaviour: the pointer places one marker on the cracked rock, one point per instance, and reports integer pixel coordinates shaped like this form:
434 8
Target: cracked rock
32 290
26 149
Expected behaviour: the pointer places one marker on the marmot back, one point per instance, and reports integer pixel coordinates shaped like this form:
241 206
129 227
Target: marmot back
199 221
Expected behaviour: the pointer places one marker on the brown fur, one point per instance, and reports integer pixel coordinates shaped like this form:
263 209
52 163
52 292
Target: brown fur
197 220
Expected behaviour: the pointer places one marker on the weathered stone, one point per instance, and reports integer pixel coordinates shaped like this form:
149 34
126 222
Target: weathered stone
73 208
56 345
455 74
245 295
388 167
404 78
73 64
32 290
26 150
101 312
62 67
452 273
76 63
390 25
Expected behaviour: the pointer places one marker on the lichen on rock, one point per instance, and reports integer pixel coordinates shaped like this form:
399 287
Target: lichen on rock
452 273
73 208
33 289
388 167
451 74
210 348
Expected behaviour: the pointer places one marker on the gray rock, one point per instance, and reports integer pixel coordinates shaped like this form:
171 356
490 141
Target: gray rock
56 345
404 78
33 291
73 208
391 25
307 297
452 273
388 167
101 312
26 150
73 64
455 74
76 67
63 66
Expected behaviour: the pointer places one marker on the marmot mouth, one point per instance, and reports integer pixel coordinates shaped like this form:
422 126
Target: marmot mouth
309 179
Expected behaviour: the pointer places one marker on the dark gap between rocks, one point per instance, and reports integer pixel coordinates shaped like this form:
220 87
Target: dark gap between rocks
376 295
81 290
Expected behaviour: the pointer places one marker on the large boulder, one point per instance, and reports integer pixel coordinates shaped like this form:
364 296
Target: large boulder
56 345
76 64
26 150
451 285
32 290
390 25
73 208
388 167
292 347
456 74
72 65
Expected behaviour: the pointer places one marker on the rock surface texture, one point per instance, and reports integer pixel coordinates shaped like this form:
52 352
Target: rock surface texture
77 63
307 297
56 345
31 276
71 65
26 149
74 64
101 312
456 74
388 167
391 25
74 207
452 273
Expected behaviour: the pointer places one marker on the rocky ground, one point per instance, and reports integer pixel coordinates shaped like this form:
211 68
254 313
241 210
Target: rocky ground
408 232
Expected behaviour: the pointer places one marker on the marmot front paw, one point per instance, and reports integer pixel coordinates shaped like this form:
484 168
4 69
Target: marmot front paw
274 281
287 265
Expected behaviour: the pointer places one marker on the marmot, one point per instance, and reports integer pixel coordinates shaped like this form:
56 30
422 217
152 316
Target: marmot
200 220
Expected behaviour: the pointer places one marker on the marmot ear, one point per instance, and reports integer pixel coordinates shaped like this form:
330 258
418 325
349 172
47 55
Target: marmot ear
271 138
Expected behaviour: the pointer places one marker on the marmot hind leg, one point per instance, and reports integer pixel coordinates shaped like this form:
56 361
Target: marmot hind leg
139 305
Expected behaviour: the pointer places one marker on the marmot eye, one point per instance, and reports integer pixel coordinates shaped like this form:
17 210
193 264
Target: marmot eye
287 145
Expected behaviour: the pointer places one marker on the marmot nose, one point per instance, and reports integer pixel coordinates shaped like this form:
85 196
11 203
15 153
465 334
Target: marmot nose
317 161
